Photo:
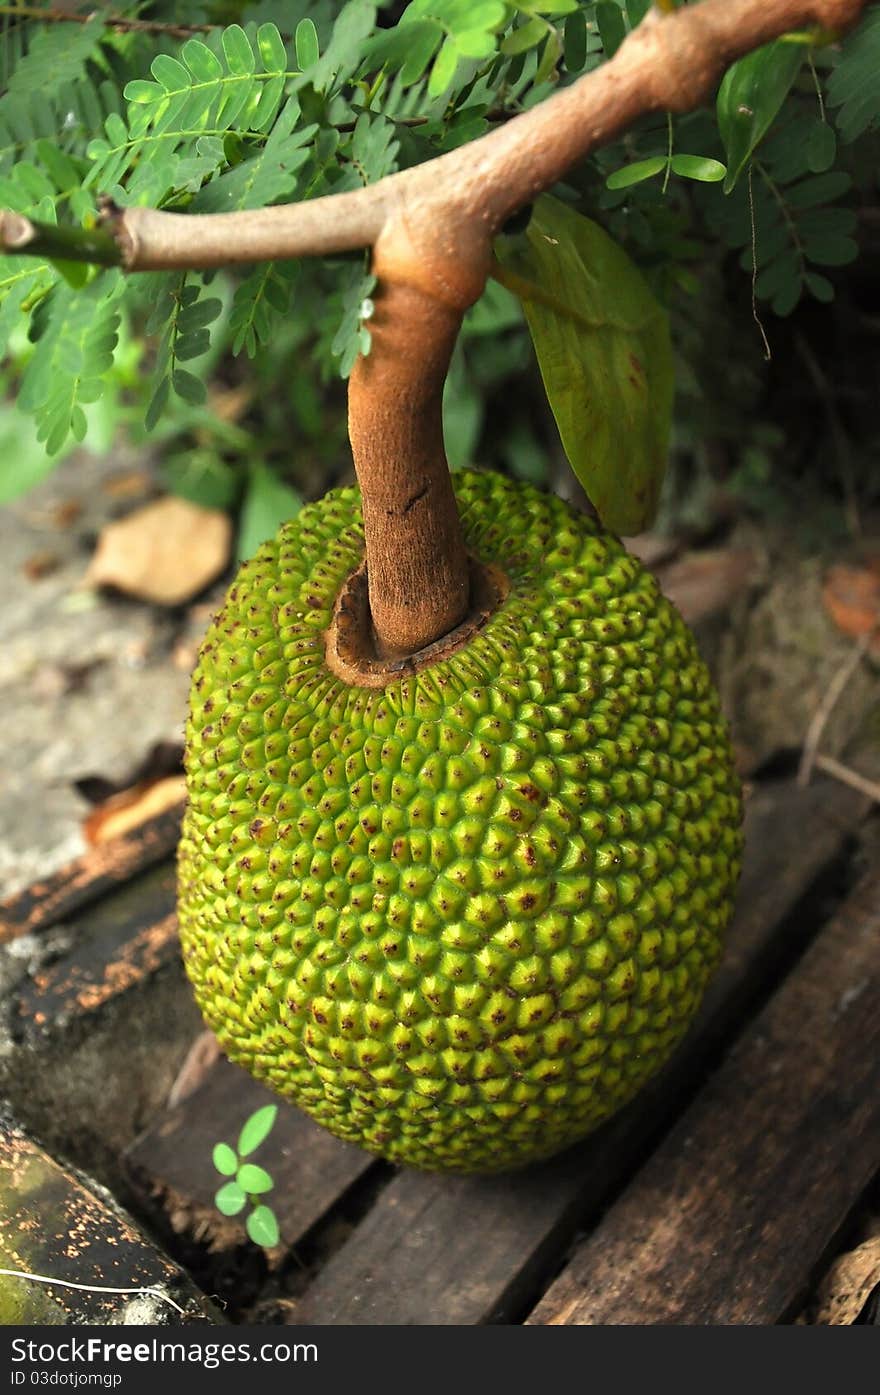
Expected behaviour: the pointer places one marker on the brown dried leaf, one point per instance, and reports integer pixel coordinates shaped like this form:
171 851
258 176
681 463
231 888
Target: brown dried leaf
851 596
130 484
40 564
126 810
847 1286
166 552
703 583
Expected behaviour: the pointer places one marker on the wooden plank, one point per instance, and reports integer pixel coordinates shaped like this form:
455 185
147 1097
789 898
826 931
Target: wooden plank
83 881
54 1223
115 947
469 1250
728 1218
171 1162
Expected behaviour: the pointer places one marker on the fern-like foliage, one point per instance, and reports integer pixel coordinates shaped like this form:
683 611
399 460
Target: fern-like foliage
302 98
76 335
854 82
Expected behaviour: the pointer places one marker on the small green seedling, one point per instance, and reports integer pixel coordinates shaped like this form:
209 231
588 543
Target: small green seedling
248 1182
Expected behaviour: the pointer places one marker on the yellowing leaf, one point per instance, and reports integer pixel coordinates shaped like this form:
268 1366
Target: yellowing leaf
604 351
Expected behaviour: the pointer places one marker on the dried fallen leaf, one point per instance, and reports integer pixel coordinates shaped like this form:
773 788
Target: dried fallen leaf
848 1285
65 513
851 596
127 810
130 484
40 564
165 552
702 583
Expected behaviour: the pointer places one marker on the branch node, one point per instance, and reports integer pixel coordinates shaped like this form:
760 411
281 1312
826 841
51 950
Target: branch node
16 231
112 218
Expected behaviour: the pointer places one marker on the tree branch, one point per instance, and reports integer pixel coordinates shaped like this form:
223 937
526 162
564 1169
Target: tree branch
431 230
670 62
118 22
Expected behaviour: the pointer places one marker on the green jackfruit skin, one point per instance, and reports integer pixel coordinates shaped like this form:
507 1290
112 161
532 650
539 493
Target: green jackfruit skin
461 920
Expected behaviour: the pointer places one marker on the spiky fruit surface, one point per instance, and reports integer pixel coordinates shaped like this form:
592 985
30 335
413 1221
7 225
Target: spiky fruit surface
461 919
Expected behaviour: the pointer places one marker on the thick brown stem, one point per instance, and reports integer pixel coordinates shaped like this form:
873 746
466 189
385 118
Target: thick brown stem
417 565
416 561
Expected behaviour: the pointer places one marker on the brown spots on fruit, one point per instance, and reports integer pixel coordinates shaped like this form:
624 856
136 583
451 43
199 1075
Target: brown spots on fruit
529 855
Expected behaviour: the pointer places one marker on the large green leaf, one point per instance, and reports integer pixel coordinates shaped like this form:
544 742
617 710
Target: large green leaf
604 351
749 98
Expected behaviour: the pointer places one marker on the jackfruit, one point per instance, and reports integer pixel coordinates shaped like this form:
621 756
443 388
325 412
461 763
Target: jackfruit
462 918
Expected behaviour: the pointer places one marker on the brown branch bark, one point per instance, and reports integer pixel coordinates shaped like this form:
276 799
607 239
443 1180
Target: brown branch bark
431 228
111 21
670 62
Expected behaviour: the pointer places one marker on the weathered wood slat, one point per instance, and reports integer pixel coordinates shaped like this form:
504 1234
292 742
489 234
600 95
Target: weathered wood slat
731 1213
82 882
96 1018
121 942
55 1224
470 1250
171 1162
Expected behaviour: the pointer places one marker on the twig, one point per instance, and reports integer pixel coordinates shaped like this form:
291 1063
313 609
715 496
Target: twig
140 26
820 717
670 62
846 776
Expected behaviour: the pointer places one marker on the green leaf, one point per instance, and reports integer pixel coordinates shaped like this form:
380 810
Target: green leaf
604 351
423 41
818 189
526 37
821 147
76 274
636 172
268 502
262 1227
204 65
749 98
258 1126
199 474
853 85
698 167
23 460
306 42
636 11
443 71
575 41
225 1160
237 48
230 1199
254 1180
819 287
273 54
831 250
188 386
612 29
